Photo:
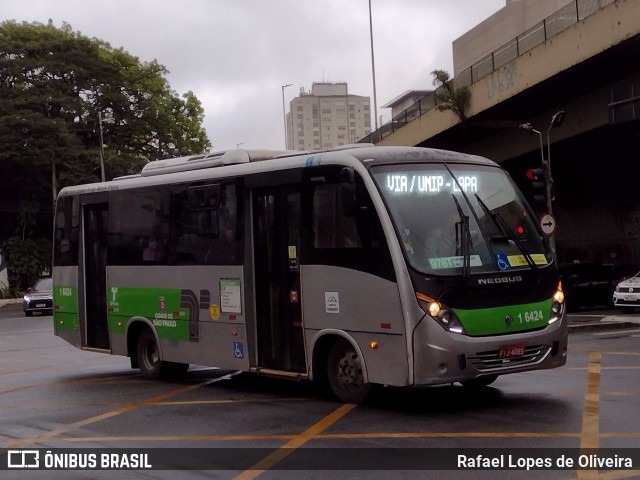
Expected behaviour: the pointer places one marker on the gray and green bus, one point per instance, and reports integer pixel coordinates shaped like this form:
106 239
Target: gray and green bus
355 267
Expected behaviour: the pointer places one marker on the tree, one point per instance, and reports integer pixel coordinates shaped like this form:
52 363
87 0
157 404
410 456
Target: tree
27 259
448 97
53 84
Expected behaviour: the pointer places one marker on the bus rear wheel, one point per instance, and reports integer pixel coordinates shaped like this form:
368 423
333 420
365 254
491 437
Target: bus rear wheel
149 356
345 373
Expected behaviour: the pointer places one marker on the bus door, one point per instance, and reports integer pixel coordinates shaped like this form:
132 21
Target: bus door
95 222
276 237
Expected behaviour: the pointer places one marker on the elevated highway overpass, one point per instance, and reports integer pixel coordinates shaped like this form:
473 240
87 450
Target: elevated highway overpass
585 60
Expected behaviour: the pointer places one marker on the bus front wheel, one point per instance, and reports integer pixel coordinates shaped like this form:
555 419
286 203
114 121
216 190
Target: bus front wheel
345 373
149 356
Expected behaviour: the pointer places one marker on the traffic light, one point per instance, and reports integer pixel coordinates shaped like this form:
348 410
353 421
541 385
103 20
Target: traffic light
538 182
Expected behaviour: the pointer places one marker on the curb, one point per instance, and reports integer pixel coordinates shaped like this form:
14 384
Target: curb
602 325
10 301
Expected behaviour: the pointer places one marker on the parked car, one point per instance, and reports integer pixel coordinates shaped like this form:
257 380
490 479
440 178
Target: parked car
627 294
39 298
592 284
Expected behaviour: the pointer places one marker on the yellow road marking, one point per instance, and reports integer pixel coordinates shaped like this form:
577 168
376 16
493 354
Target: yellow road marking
591 411
311 432
632 393
623 367
48 406
607 352
174 438
360 435
98 379
88 421
247 400
225 437
15 388
346 436
619 474
451 435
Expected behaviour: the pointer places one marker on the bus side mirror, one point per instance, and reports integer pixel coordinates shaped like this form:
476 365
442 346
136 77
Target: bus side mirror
347 175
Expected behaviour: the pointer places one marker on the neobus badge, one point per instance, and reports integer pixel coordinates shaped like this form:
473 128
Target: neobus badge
494 280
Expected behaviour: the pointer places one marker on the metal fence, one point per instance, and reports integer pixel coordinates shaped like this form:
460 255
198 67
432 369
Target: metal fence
555 23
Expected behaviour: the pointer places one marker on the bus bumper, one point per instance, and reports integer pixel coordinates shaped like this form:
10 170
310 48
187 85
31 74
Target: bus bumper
442 357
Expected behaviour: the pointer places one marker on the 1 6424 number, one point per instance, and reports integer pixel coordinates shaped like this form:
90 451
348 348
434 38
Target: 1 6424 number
531 316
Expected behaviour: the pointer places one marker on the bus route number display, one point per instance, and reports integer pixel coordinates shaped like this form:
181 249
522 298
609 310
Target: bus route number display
424 184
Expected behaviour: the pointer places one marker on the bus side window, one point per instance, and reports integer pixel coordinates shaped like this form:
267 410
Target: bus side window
138 227
344 217
66 232
334 224
345 229
207 225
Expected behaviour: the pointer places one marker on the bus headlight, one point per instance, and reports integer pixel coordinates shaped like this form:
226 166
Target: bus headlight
440 313
557 305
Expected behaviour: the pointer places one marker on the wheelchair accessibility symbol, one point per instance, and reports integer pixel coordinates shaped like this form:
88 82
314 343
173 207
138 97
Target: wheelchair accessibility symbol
238 350
501 261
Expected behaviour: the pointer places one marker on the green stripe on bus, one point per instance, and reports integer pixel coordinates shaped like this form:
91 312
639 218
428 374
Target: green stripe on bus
66 321
161 306
507 319
65 307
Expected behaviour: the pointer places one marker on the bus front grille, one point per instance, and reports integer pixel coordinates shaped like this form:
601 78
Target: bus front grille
491 360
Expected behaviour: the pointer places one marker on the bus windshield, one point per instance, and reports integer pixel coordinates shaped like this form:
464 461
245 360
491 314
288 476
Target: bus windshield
455 219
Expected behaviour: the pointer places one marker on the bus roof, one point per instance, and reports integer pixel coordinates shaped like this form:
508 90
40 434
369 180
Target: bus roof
236 161
384 155
363 152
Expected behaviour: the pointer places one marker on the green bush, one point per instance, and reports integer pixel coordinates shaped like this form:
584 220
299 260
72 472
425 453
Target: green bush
7 292
26 260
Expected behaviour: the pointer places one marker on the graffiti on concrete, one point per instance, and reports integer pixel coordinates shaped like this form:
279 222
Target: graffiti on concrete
501 80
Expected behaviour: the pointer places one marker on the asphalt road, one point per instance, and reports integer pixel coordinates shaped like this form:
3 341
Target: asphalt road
54 396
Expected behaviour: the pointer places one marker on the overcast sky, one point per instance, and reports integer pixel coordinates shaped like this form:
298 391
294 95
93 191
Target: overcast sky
236 55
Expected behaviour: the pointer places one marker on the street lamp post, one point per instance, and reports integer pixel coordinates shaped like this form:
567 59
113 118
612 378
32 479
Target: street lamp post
556 121
373 70
284 116
102 176
529 128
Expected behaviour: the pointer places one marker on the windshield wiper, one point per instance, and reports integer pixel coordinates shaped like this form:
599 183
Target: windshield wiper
506 231
463 239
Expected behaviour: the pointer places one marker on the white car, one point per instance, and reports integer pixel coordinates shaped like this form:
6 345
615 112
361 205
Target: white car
39 298
627 293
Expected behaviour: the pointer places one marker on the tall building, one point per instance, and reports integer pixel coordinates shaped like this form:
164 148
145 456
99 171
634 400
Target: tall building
327 117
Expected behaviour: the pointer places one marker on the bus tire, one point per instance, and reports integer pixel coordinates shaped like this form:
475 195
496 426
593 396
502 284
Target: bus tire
148 355
175 370
345 373
480 382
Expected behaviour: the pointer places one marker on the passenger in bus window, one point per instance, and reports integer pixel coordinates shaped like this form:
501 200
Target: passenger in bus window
154 253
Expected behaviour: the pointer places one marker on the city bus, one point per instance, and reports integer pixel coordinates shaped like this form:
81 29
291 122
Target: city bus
356 267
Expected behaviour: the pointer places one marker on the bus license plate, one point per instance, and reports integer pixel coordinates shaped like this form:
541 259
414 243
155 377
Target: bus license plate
509 351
